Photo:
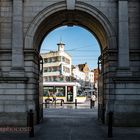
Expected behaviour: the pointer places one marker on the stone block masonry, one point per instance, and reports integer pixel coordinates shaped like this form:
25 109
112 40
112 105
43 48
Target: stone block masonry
23 25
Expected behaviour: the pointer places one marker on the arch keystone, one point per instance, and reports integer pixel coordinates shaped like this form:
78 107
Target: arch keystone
70 4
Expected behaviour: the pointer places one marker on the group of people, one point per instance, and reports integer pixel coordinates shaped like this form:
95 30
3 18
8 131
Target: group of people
53 96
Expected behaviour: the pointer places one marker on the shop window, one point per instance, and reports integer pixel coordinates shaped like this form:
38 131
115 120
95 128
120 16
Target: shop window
60 91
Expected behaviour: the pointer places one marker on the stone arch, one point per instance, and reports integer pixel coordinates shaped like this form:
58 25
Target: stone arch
84 15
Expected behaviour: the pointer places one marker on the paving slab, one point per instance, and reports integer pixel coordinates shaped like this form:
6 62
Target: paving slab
73 124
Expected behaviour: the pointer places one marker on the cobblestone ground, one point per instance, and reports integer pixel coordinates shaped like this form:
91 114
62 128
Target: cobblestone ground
71 124
67 123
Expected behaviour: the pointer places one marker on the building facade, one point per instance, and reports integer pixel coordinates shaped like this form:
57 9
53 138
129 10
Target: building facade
83 75
57 65
25 23
78 75
96 77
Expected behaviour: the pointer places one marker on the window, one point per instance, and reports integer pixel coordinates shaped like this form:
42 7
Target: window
45 69
48 90
49 60
59 58
48 69
63 59
53 59
80 93
70 93
67 61
60 91
54 69
65 69
45 60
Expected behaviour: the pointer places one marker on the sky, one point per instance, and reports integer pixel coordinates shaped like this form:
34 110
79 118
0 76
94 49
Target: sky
79 43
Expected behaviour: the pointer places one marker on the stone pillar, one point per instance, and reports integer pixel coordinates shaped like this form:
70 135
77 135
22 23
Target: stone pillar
17 37
123 38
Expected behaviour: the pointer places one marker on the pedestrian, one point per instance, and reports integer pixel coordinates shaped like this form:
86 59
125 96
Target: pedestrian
54 97
93 98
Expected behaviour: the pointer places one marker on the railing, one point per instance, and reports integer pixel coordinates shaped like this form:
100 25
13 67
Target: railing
50 103
53 101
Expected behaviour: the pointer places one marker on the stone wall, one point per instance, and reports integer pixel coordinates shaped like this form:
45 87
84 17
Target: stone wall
118 31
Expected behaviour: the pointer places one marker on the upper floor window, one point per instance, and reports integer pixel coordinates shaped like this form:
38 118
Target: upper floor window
66 60
58 58
45 69
45 60
65 69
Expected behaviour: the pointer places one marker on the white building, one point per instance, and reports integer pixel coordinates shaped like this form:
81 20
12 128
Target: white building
77 74
83 75
57 65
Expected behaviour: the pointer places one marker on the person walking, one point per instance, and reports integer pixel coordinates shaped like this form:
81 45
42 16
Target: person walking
93 98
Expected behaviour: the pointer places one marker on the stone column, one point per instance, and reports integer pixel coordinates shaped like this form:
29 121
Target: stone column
17 36
123 38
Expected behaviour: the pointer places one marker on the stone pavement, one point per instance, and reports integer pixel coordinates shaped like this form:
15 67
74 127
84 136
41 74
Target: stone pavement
73 124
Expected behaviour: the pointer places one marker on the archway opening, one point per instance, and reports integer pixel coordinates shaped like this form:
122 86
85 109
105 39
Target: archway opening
94 24
70 56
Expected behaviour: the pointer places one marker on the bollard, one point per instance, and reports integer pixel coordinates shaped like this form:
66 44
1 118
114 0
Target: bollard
46 103
30 122
110 124
91 104
75 103
55 101
42 112
61 102
103 115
